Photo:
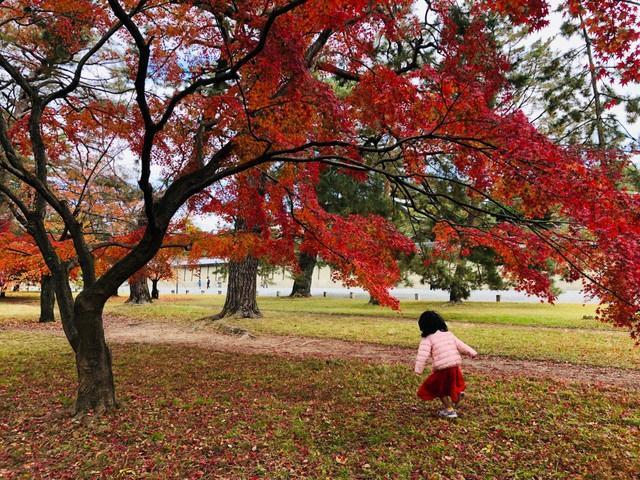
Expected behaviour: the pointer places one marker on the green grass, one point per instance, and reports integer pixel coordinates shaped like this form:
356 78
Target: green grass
191 413
517 330
532 314
185 308
19 307
592 347
181 307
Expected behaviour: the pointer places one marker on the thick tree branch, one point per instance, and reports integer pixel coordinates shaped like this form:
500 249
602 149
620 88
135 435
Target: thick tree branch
17 76
130 246
316 46
231 72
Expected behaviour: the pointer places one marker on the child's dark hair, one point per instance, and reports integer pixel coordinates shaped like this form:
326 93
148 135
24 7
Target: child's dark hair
430 322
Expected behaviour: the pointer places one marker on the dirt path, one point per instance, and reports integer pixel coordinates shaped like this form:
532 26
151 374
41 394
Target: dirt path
202 335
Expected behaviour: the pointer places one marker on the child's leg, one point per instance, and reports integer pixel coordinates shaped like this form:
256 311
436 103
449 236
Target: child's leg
448 411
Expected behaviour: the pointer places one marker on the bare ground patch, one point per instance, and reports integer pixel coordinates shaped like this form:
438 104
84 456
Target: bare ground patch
206 336
217 337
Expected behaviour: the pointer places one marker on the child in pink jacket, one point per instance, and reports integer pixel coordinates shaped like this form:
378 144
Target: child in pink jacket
445 351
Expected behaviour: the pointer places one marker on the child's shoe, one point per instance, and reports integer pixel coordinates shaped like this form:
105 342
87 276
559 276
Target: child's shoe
444 413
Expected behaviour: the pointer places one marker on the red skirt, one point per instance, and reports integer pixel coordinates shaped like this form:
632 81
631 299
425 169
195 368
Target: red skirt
447 382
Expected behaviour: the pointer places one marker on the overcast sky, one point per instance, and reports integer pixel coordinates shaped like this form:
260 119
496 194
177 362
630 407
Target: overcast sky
562 44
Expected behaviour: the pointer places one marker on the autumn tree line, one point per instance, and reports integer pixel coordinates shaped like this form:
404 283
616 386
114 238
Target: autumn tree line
362 133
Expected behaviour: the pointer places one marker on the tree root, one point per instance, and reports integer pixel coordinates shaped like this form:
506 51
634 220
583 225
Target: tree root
240 314
235 331
86 417
300 295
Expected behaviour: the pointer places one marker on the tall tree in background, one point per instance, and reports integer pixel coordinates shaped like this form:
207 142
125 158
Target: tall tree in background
271 216
161 266
139 282
455 270
139 293
341 193
576 96
248 219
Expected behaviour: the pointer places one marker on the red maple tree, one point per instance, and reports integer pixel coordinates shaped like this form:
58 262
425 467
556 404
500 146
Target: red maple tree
208 92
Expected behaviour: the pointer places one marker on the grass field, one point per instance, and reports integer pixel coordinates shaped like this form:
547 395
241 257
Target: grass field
191 413
603 348
181 307
516 330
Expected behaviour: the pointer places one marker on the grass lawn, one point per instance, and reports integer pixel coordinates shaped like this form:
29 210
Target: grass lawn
517 330
590 347
183 307
19 308
191 413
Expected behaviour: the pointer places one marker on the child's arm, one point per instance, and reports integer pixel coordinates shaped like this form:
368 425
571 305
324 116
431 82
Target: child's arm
424 354
465 349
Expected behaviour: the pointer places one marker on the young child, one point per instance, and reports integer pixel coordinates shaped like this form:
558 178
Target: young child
444 350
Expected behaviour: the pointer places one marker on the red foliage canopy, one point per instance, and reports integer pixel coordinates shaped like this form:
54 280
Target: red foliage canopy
237 103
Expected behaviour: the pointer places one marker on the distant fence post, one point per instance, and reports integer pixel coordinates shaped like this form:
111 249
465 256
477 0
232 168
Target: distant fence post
498 298
417 296
277 293
324 294
350 294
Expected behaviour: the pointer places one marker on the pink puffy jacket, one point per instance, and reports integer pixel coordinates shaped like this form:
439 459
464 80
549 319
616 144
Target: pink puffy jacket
444 349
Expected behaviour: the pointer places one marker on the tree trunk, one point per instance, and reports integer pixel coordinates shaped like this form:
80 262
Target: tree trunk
139 290
155 293
66 304
597 103
302 281
454 295
96 391
241 299
47 299
458 291
373 301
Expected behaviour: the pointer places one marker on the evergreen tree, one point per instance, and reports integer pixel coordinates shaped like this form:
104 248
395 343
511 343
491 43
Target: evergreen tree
341 193
572 97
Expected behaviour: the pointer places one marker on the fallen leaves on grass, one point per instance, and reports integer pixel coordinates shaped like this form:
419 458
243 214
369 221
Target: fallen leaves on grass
192 413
